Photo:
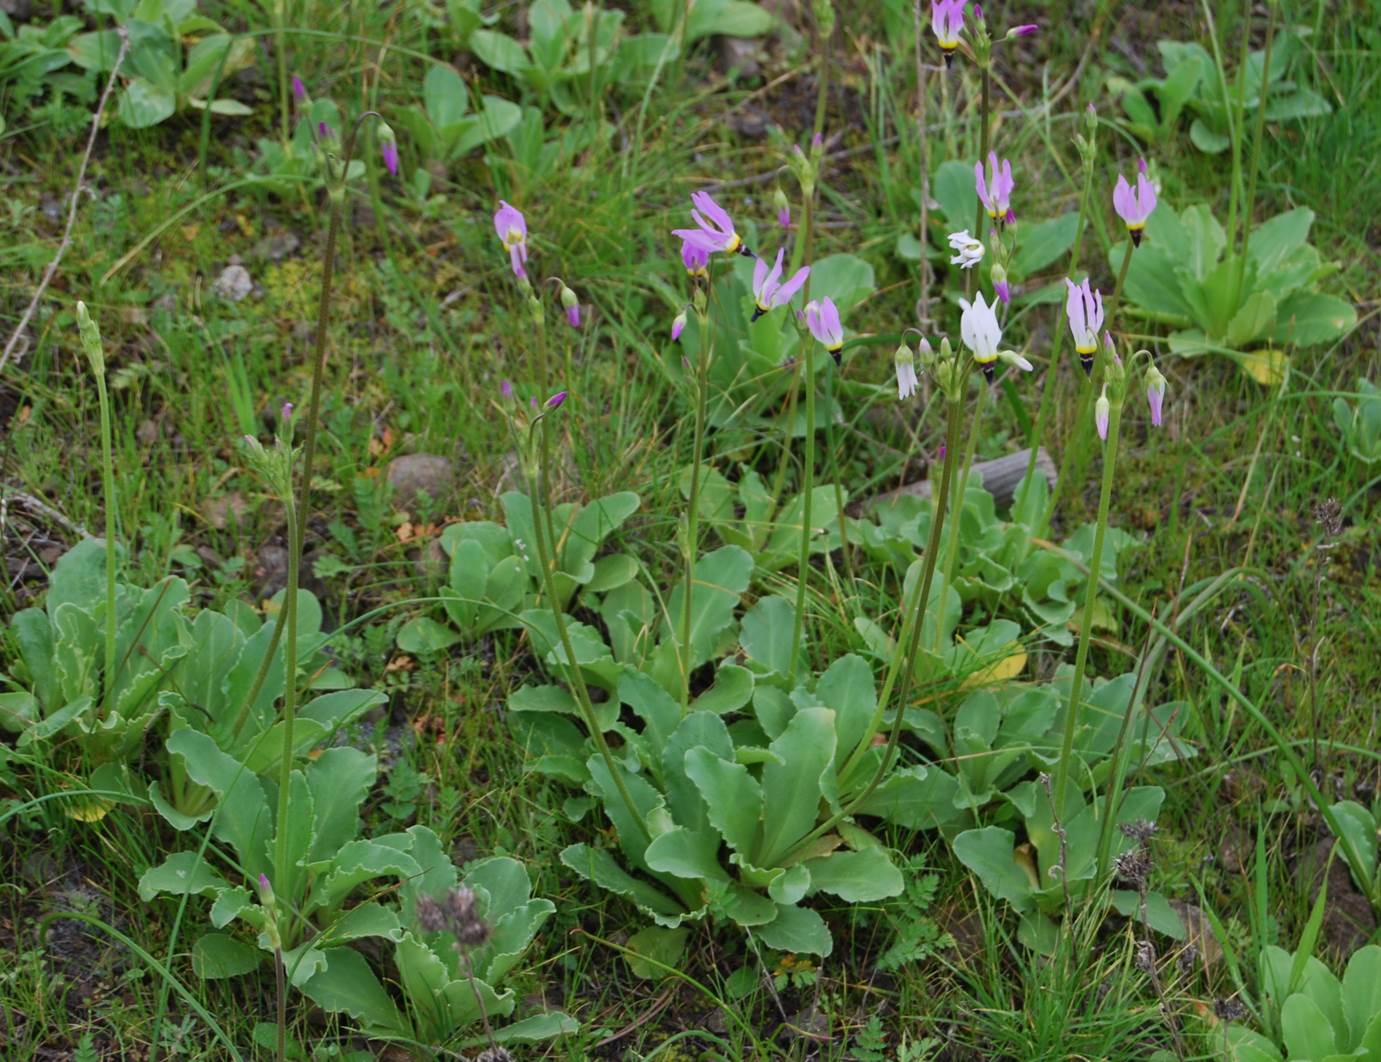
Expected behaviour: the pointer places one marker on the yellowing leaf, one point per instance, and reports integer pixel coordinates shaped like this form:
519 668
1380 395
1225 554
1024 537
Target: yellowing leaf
1024 856
1009 667
92 809
1267 367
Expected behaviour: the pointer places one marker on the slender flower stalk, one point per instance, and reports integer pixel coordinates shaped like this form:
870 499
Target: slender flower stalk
807 500
95 356
1090 598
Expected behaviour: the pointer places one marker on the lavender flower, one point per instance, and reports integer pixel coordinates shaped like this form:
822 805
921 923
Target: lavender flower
714 229
511 226
554 402
1024 30
678 325
768 290
947 22
506 390
696 259
299 90
822 318
1084 308
996 192
1000 285
1135 207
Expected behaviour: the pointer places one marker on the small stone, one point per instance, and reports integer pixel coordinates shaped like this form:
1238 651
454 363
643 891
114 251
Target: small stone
224 510
277 246
431 562
233 284
147 432
411 474
739 53
271 570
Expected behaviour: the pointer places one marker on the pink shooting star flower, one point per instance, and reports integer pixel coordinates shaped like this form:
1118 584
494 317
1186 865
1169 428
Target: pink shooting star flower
995 192
822 318
678 325
1000 285
1101 411
1084 308
979 328
299 90
511 226
554 402
506 390
324 131
714 231
768 291
947 22
695 258
1025 30
1155 394
1134 207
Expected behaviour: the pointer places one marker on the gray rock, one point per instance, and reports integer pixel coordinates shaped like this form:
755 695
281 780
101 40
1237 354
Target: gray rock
233 284
412 474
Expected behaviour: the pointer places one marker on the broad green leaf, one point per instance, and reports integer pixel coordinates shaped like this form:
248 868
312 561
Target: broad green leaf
766 633
732 797
500 51
690 854
659 943
1207 139
1247 1045
181 874
347 985
1205 244
1305 1029
356 863
732 689
990 854
847 687
1043 243
793 784
1362 991
598 867
1275 240
845 278
790 886
703 730
720 579
591 526
339 779
144 103
856 877
1361 830
798 930
445 96
422 636
536 1027
217 955
956 190
243 819
1310 319
1254 320
920 797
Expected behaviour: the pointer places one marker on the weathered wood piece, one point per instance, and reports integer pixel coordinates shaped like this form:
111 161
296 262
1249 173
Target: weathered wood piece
1001 476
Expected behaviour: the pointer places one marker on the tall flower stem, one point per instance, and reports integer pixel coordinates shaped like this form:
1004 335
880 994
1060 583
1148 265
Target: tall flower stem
542 497
985 105
309 430
692 543
965 465
1052 376
281 870
108 487
1081 418
1090 597
807 489
1257 137
902 666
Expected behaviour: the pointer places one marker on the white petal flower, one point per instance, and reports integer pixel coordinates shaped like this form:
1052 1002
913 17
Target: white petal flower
969 251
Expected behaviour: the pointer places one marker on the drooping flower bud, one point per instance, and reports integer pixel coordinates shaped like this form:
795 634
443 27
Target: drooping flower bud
783 205
299 90
1025 30
678 325
388 147
1000 285
1101 410
1155 393
905 362
554 402
91 338
572 306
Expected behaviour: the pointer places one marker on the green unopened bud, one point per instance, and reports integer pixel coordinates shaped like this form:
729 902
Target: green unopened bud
927 354
824 17
534 309
569 299
91 338
946 351
1091 119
